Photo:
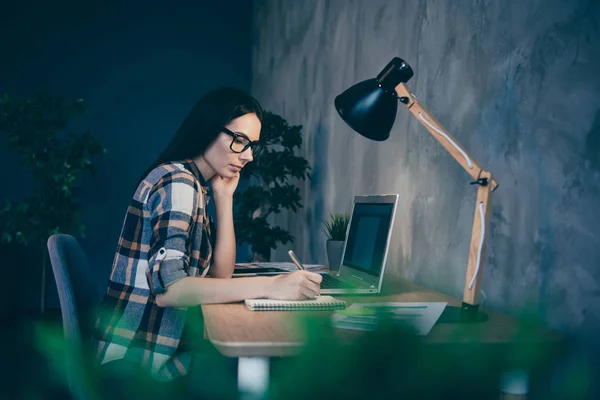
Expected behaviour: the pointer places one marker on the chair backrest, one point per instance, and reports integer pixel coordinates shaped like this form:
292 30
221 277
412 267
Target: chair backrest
78 298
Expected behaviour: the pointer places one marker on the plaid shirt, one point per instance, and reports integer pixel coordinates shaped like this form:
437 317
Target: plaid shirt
165 237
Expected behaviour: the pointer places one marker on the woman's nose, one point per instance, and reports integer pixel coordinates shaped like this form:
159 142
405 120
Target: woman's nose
247 155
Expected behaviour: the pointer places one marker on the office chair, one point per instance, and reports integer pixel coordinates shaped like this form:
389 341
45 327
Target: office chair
78 297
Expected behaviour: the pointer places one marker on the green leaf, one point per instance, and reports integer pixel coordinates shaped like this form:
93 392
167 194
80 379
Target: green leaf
23 207
7 206
336 227
7 237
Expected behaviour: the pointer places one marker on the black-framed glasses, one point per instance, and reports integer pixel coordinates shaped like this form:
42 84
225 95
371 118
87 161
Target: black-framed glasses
241 143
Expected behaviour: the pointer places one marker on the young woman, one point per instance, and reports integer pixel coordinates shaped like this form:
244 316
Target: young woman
165 261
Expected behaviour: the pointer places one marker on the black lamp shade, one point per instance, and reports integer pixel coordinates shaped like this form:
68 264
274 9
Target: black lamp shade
368 109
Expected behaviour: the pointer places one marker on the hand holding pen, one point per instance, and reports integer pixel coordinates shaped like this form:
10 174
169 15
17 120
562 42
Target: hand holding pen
296 261
300 284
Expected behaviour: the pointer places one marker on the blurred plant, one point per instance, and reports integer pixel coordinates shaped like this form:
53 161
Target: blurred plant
272 170
67 365
391 362
336 227
55 159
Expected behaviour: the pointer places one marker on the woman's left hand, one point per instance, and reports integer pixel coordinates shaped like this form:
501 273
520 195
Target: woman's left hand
224 186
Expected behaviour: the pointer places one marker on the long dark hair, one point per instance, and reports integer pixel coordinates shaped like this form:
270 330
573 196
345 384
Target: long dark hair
204 123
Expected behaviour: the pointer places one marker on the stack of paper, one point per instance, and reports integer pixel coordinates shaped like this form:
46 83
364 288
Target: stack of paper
291 266
416 317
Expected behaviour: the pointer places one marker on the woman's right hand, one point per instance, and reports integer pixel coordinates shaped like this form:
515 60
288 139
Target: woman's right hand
297 285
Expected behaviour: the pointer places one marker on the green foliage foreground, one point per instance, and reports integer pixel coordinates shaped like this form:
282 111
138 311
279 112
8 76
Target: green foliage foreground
386 363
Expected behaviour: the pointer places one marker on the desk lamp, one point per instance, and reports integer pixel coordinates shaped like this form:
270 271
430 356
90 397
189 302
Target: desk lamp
369 108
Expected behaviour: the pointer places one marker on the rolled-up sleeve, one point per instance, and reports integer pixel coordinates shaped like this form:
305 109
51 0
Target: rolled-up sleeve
173 207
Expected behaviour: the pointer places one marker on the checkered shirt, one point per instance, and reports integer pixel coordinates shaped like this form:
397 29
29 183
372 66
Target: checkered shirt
165 237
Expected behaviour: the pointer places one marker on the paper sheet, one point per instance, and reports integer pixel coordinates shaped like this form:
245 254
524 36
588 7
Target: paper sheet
290 266
416 317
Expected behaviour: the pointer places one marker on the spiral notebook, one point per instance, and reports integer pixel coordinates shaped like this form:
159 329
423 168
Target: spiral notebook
321 303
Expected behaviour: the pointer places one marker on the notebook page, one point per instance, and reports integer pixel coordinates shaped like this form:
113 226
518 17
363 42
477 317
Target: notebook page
320 303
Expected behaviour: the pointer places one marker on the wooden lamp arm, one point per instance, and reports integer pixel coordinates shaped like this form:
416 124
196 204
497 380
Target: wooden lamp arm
459 153
487 184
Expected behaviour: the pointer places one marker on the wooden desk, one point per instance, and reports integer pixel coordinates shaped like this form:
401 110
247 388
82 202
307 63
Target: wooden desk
256 336
238 332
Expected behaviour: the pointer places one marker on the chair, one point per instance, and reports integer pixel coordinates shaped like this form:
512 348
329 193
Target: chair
78 298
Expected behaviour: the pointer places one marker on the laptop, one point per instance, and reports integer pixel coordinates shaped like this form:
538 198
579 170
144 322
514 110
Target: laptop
366 247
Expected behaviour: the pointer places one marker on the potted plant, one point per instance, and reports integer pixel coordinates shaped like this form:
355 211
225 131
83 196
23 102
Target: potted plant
335 229
271 188
54 159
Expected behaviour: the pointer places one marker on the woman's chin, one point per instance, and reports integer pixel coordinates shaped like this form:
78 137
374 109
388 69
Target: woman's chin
228 173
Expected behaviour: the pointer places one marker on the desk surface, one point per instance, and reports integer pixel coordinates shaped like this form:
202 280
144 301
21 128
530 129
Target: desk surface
238 332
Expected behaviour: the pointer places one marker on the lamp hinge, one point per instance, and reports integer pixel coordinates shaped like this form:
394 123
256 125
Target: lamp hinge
480 181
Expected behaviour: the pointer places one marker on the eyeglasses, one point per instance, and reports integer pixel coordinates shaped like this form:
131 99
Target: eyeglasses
241 143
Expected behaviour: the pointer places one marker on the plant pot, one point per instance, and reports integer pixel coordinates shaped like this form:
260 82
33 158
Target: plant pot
335 248
261 255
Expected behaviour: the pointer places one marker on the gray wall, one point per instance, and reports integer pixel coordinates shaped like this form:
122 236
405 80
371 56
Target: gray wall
140 66
515 82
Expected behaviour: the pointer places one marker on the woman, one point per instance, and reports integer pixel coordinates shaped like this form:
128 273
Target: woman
165 260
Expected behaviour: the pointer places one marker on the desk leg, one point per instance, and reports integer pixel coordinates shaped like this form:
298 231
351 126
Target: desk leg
514 385
253 377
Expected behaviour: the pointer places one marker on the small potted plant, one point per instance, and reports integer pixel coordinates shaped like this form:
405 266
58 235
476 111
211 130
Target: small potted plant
335 229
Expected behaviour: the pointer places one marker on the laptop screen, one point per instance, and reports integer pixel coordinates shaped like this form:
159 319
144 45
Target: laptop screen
367 238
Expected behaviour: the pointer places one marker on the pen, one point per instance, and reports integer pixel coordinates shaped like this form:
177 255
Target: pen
296 261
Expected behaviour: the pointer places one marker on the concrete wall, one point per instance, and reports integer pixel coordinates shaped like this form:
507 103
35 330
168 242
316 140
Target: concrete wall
515 82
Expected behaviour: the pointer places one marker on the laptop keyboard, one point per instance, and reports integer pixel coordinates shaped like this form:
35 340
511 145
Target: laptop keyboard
330 282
